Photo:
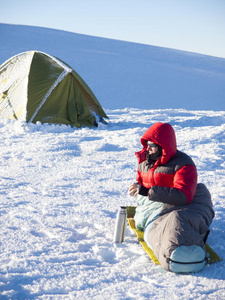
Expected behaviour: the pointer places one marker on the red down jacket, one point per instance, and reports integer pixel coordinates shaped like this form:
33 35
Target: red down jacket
173 178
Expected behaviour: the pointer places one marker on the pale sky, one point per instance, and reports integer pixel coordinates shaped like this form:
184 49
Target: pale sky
190 25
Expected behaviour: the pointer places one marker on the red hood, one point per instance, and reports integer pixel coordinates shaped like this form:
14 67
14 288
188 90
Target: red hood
161 134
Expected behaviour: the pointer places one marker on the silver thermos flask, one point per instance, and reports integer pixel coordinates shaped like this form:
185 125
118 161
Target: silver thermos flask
120 225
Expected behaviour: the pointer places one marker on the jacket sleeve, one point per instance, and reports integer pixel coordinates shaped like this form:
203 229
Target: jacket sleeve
138 177
182 191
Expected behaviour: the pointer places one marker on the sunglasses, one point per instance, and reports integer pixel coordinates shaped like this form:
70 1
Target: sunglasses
152 145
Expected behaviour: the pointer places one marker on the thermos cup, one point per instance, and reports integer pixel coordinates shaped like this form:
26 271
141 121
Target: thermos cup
120 225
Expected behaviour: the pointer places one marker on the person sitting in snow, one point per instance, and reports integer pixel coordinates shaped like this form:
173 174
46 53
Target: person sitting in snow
174 211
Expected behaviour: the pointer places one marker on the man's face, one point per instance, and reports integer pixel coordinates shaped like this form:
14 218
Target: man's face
151 147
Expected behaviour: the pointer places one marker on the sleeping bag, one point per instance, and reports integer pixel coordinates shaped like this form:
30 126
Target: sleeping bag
177 234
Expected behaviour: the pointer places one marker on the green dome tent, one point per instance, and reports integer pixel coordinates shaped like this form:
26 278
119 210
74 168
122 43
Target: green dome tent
35 86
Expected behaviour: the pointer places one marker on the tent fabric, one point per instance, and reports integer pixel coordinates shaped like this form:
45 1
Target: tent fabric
35 86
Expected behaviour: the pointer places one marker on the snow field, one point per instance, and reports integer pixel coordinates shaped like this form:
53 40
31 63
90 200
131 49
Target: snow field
60 191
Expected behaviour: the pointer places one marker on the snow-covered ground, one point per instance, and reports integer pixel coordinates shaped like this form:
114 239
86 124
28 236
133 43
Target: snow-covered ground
61 187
